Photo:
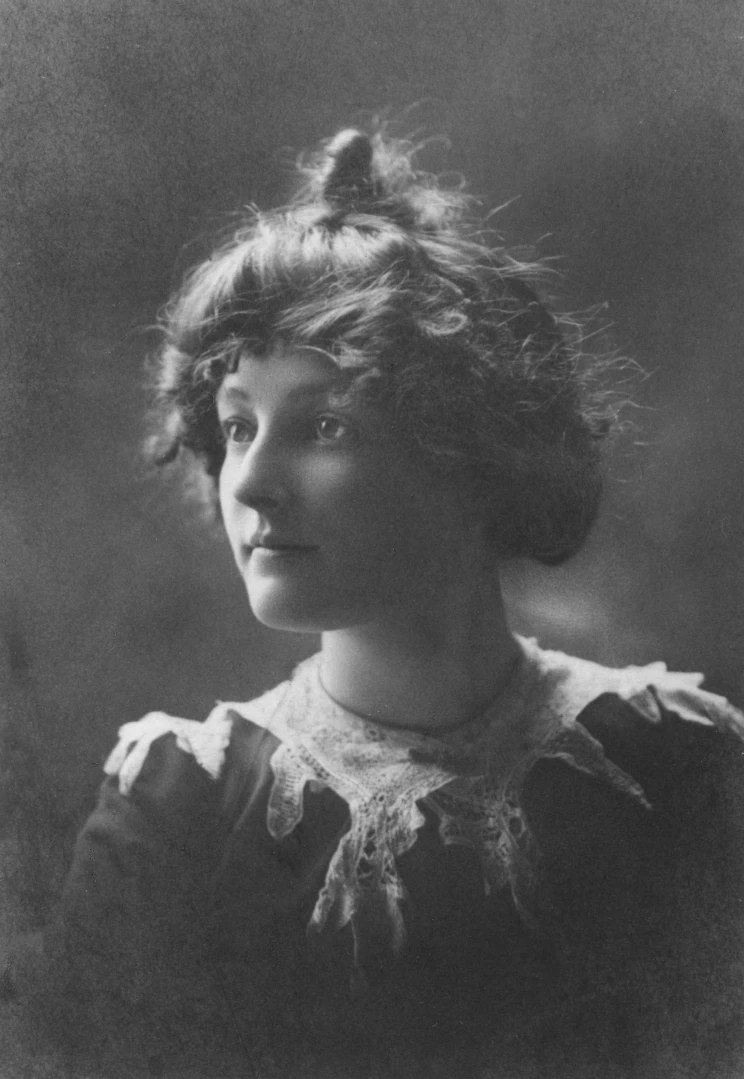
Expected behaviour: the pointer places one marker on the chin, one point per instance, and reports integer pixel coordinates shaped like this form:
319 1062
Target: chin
287 621
297 613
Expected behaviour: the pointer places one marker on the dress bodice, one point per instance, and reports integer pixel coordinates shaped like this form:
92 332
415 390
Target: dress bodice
553 882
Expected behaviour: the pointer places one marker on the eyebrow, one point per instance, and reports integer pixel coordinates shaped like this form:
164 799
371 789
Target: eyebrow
236 393
233 392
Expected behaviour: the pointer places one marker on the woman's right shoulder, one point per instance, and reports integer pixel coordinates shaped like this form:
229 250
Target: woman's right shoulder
159 754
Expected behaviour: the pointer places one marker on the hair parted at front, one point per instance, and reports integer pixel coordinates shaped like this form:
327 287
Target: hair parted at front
383 269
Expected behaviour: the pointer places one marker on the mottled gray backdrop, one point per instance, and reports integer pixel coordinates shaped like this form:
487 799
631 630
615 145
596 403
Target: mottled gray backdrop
130 127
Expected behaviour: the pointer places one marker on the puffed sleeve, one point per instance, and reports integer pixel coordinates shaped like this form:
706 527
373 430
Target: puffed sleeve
691 763
129 952
653 899
129 912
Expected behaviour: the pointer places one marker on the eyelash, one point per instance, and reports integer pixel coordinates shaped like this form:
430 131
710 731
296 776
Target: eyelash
230 426
344 429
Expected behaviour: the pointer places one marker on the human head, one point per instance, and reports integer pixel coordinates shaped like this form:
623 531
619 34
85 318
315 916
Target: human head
382 269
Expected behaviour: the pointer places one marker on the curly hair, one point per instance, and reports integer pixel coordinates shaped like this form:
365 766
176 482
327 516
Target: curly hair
388 273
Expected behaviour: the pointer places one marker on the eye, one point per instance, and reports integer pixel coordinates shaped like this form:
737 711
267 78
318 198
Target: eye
236 430
330 428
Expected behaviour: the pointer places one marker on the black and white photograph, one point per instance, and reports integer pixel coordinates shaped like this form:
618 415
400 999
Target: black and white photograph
372 539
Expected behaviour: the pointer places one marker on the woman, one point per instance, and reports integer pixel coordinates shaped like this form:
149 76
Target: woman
437 849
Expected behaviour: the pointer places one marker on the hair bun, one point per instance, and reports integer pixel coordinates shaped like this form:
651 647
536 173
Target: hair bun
348 173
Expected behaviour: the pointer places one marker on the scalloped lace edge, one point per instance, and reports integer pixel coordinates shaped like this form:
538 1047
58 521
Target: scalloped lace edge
385 782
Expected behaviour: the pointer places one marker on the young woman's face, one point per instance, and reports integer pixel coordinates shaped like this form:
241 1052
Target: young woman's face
331 525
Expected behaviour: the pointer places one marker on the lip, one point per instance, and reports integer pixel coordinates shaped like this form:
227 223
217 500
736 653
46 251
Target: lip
272 543
265 551
279 559
270 549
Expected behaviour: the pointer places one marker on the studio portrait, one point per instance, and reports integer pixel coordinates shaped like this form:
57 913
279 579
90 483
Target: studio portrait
372 578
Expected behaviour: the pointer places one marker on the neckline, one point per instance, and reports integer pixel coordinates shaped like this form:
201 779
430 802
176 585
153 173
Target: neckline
435 734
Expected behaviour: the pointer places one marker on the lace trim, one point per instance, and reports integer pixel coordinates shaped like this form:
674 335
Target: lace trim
206 742
364 863
487 816
375 774
371 768
471 779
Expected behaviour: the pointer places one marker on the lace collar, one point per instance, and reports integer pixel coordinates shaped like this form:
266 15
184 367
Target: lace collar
470 777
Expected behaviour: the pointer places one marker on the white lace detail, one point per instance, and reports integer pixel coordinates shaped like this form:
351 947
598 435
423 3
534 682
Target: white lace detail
374 773
484 813
470 778
285 801
206 742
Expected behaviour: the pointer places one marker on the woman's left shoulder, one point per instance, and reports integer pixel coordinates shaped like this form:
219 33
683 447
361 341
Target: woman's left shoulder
655 734
644 716
655 694
647 893
674 737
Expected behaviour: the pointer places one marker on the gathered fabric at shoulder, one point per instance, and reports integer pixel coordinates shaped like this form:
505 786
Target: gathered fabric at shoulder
569 684
206 742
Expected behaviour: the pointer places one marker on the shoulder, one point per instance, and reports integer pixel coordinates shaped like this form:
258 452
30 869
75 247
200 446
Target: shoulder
677 744
646 731
644 704
160 752
653 734
680 744
657 890
172 788
568 684
679 741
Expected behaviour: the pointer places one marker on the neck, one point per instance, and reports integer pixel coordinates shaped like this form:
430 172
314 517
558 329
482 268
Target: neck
430 670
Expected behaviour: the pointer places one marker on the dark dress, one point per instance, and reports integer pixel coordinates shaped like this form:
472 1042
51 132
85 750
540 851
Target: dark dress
255 897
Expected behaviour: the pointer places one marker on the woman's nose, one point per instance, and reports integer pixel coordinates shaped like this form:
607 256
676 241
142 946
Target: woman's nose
260 477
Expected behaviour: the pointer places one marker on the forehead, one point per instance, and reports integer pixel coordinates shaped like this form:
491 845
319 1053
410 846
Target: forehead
283 373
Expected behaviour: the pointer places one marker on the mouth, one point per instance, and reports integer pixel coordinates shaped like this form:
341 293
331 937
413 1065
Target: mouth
270 547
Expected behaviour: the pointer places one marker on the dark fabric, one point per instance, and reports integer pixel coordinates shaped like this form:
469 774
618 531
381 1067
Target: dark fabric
181 947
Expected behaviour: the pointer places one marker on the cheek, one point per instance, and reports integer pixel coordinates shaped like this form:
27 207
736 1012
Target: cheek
392 522
345 502
348 495
228 505
330 479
